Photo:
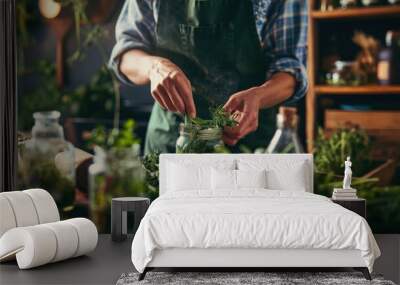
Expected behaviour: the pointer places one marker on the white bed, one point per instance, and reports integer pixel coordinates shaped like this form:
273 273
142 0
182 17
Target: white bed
220 225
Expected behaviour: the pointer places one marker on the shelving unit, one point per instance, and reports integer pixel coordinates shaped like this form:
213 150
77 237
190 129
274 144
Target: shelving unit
353 13
343 16
357 90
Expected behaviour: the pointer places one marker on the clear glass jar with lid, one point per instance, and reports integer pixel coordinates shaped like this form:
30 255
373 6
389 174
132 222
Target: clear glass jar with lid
193 139
47 160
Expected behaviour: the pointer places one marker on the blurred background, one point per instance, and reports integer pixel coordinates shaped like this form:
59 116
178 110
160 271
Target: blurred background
71 103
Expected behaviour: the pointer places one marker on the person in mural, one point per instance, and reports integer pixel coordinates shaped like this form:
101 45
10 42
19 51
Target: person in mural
247 55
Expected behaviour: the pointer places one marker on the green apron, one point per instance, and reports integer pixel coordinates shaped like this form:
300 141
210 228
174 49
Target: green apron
215 43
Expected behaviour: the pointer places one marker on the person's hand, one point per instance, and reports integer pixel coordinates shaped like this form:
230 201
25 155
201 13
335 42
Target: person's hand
244 107
171 88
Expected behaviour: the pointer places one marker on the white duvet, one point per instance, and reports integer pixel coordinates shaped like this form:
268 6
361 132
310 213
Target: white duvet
250 219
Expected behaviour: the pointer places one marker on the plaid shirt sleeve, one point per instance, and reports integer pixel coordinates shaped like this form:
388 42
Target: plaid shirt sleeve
134 30
284 39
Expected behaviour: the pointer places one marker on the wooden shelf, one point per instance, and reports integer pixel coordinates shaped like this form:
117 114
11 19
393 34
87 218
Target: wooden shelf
357 13
357 90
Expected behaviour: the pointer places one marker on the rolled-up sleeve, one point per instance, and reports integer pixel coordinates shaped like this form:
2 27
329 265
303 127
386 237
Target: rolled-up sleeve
134 30
285 42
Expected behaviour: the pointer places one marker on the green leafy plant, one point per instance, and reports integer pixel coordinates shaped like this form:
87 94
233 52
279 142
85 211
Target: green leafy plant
330 153
329 156
150 164
116 138
99 98
35 170
79 11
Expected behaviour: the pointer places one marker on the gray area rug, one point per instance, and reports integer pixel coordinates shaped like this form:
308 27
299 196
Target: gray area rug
269 278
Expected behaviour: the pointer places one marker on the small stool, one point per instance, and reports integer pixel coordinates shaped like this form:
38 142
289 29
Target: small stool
119 208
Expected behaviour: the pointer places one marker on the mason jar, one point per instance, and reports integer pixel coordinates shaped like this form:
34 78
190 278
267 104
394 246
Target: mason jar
193 139
115 173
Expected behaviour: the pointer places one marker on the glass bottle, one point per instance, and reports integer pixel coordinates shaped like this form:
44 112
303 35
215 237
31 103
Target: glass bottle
194 140
388 70
48 160
116 172
285 139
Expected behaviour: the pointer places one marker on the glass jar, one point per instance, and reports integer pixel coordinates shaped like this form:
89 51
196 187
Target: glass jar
348 3
114 173
328 5
285 139
48 161
368 3
344 74
192 139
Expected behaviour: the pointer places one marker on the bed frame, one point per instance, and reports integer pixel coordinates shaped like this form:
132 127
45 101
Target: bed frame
249 259
246 259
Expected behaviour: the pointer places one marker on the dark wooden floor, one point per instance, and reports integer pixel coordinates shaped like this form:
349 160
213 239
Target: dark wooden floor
110 260
103 266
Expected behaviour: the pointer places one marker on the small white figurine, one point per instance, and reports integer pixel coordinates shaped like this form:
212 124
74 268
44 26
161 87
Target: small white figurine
347 174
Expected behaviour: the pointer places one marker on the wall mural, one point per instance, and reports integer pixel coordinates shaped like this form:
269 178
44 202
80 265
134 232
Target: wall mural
80 140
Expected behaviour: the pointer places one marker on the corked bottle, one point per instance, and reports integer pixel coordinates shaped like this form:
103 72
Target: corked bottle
285 139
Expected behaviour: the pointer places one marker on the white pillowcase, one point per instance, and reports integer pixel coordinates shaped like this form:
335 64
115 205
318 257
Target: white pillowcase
187 175
291 175
251 179
225 179
183 177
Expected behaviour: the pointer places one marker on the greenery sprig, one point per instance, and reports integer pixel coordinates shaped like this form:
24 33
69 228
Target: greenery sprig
219 119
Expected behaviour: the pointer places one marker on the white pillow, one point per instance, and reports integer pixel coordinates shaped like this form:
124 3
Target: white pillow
278 180
223 179
292 175
186 174
251 179
236 179
183 177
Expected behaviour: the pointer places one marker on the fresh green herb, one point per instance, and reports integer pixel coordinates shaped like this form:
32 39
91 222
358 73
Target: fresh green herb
205 135
219 119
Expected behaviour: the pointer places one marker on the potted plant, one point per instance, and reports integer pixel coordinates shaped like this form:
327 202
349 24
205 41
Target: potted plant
330 154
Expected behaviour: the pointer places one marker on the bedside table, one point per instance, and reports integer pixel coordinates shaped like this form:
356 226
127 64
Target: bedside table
358 206
119 208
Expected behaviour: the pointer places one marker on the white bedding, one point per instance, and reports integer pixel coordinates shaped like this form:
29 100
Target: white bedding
252 218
